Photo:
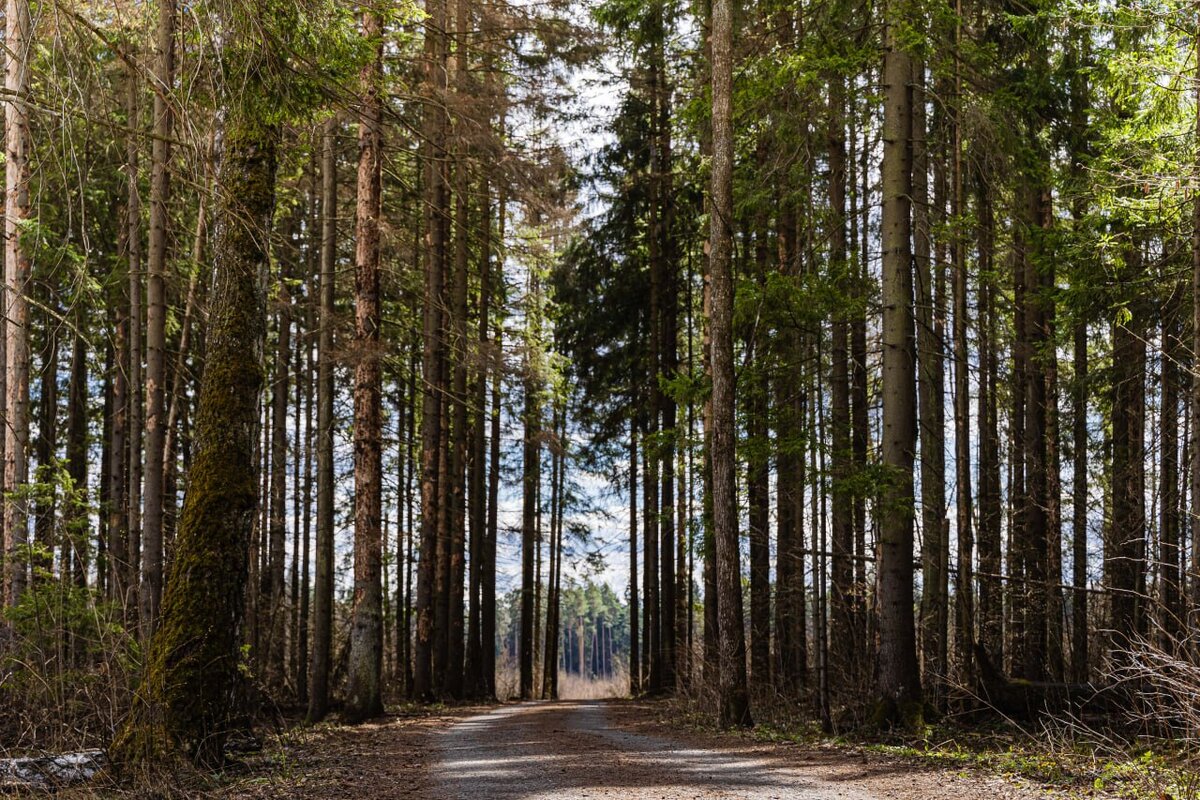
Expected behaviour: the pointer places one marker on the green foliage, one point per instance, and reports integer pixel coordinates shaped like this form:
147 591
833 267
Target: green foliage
53 616
296 53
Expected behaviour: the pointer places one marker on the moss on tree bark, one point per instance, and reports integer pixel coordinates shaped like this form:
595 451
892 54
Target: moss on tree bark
184 704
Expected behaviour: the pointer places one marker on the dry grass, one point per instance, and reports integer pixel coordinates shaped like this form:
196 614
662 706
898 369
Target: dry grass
570 687
574 687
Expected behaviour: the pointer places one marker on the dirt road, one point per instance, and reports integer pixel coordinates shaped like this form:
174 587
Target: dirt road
590 749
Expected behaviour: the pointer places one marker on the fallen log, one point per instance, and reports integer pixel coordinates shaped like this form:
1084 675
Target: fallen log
51 772
1023 699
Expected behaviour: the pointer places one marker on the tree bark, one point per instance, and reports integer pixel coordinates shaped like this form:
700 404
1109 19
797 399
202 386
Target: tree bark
432 355
731 649
1036 521
964 625
272 657
487 578
156 316
759 515
364 692
668 362
193 661
312 279
991 596
136 396
77 463
898 675
842 639
530 478
1079 395
1125 547
322 627
478 442
1169 620
758 477
930 384
1079 551
1195 387
46 443
635 667
16 277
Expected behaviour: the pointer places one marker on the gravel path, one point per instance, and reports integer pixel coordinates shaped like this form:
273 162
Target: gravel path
571 750
594 749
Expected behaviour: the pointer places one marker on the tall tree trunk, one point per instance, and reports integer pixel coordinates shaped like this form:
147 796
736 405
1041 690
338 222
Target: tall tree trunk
312 281
478 442
487 578
860 430
554 581
76 512
731 650
193 659
934 616
1125 547
1169 621
759 515
652 629
1194 400
459 350
964 625
635 666
842 639
106 431
409 507
16 278
898 675
115 510
46 444
299 510
758 488
530 478
1036 523
273 581
1052 587
1079 392
364 695
434 129
668 365
711 671
1079 550
790 625
991 595
652 608
136 397
322 629
156 315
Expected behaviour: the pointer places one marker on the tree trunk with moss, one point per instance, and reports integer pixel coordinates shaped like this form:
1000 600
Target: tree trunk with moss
185 703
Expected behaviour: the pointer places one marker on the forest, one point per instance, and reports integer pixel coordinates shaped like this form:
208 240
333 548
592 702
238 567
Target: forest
757 365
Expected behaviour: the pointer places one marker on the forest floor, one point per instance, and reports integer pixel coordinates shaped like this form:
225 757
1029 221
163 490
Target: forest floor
592 749
605 749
